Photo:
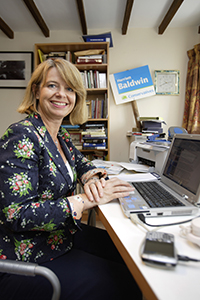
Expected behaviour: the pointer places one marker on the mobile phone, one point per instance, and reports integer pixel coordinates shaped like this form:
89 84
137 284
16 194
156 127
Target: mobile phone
159 249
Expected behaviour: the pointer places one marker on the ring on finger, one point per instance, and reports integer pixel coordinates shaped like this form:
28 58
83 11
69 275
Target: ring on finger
93 182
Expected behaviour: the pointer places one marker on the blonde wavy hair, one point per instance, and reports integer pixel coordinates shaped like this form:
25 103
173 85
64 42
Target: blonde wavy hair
70 74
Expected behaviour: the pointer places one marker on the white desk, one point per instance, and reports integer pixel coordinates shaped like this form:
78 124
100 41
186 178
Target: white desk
182 282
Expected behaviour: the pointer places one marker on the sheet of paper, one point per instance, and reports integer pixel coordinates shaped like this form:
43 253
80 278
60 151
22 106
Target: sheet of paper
110 166
135 167
134 176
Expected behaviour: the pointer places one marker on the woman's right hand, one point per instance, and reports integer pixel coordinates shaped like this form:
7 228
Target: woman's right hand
115 188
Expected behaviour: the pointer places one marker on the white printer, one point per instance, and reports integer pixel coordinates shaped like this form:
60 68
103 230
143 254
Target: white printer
149 154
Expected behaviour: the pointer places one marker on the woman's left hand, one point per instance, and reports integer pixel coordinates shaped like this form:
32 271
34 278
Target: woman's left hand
94 189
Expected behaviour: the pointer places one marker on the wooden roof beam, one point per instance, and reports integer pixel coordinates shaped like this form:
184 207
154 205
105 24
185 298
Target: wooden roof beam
169 16
6 29
81 12
37 16
127 14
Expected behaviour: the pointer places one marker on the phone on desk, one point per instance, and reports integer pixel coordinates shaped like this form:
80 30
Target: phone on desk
159 250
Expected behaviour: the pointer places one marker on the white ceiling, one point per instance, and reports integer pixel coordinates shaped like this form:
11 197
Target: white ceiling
100 14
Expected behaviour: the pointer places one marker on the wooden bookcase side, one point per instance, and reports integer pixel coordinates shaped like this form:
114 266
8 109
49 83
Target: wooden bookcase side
92 93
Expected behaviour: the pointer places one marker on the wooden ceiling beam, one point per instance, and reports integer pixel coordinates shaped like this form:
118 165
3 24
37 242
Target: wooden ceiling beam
127 14
37 16
169 16
81 12
6 29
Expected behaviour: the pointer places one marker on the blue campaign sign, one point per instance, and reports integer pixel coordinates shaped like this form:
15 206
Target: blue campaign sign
132 84
133 79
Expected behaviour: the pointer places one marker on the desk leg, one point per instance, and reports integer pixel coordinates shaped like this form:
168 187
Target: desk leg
91 218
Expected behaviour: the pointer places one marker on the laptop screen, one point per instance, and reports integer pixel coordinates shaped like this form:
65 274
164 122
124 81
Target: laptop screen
183 164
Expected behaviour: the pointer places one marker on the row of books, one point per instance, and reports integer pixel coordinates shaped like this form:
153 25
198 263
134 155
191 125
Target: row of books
94 79
70 56
98 108
90 59
94 137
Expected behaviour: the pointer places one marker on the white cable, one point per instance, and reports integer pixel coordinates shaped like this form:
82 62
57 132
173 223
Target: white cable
134 218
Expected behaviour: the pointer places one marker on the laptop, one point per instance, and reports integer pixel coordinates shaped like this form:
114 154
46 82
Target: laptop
180 179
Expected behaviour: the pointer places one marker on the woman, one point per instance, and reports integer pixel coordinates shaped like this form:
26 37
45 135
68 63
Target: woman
39 211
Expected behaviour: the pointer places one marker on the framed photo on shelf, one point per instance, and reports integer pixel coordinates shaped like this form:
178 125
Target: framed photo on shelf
76 137
15 69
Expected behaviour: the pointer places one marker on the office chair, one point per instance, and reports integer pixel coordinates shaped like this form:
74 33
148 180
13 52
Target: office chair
31 269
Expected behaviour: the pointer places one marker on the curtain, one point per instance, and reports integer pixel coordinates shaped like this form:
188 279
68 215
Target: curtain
191 117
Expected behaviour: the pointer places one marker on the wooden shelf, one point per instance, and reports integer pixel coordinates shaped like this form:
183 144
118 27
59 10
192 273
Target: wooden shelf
92 93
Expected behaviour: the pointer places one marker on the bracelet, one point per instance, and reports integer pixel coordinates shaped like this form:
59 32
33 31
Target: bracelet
94 172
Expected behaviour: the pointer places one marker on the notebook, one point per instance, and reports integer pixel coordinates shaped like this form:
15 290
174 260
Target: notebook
180 177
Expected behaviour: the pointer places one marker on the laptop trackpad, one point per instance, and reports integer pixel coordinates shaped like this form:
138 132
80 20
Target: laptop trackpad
134 201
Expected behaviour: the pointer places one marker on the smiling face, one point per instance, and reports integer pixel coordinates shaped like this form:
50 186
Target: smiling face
56 98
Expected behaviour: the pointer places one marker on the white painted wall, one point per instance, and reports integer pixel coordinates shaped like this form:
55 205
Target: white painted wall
139 47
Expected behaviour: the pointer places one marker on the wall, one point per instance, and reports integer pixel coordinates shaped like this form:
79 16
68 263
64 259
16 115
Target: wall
139 47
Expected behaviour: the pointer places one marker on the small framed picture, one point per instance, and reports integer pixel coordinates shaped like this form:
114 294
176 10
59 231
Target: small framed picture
76 137
15 69
167 82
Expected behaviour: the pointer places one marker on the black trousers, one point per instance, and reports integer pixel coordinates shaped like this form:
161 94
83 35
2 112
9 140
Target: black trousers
92 270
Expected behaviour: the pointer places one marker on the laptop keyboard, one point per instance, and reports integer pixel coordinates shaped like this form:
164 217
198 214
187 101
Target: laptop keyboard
155 195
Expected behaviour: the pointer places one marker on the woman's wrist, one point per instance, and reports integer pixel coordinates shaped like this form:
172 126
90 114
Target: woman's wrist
86 203
78 204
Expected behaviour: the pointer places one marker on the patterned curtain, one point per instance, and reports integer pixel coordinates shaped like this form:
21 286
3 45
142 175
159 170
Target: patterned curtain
191 118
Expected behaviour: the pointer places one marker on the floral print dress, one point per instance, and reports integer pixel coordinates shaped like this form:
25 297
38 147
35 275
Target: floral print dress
36 220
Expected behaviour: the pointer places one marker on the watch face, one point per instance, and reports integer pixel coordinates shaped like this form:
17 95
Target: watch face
167 82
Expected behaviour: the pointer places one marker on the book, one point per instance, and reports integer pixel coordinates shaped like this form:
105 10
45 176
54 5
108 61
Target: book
105 107
95 56
70 127
68 56
95 147
89 61
94 144
93 134
92 59
151 124
91 79
102 81
98 125
103 37
96 78
83 78
41 55
96 140
86 79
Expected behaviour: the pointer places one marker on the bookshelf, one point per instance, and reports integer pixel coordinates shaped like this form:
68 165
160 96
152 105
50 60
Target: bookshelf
97 93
